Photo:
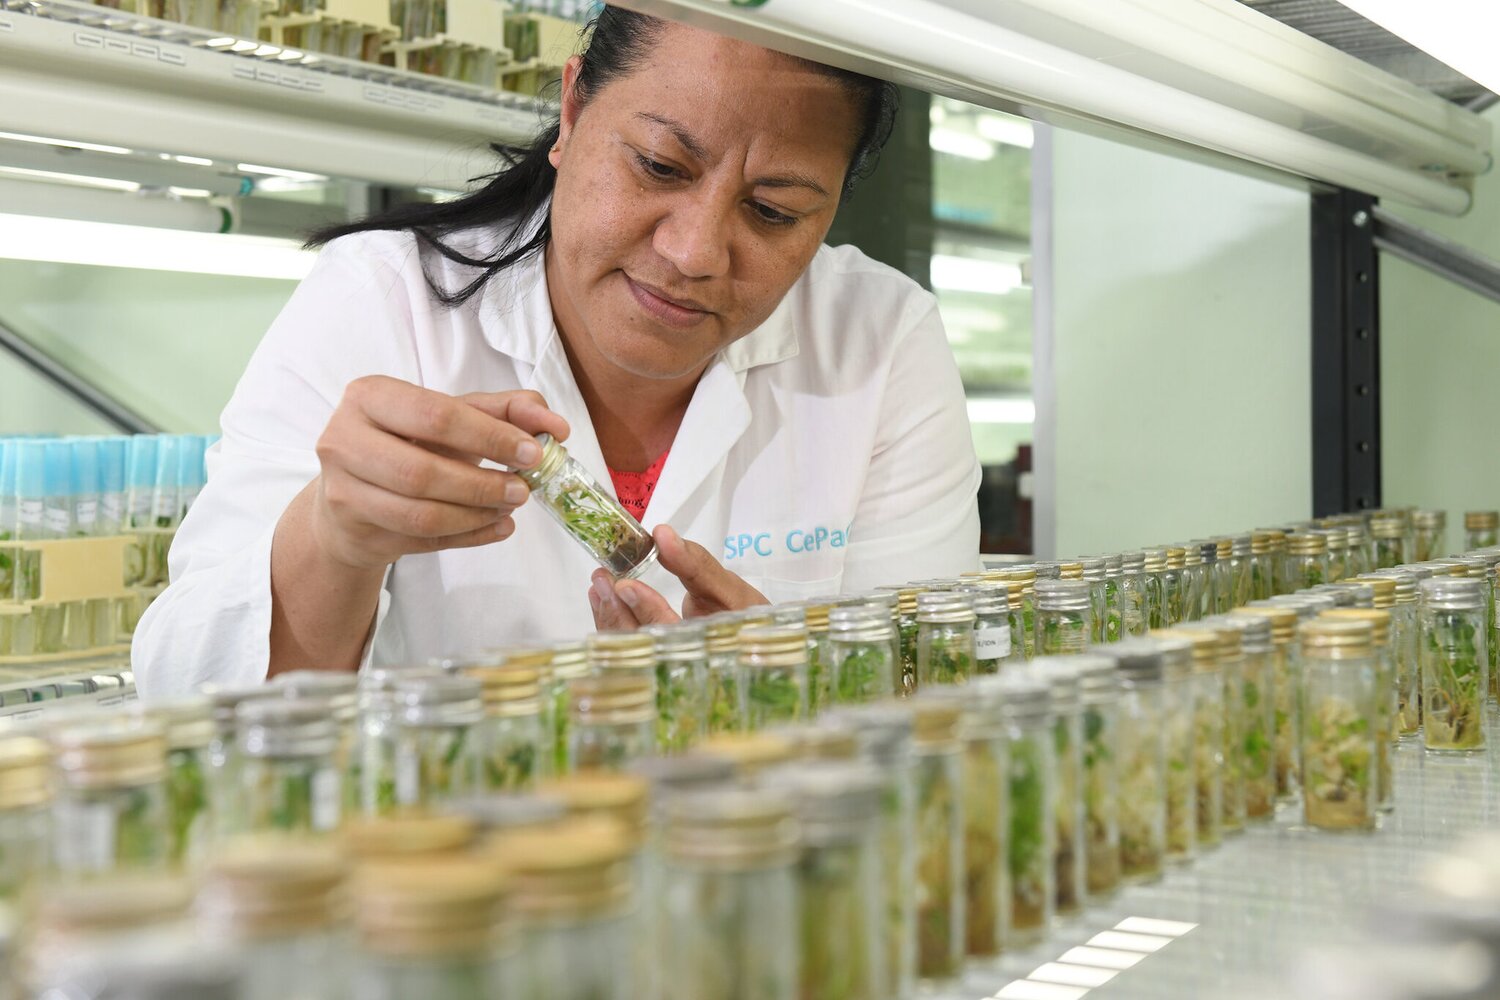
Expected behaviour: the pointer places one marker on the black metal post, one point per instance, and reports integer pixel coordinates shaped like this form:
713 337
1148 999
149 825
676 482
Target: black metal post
1345 354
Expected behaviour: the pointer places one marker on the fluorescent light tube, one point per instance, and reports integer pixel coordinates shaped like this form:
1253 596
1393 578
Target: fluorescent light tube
81 180
92 147
1006 131
67 241
1461 33
968 274
970 147
998 410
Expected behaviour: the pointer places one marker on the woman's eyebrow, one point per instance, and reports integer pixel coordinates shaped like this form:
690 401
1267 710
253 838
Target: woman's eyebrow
695 149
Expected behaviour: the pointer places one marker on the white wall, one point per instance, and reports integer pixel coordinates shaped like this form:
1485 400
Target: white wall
1180 353
171 346
1440 368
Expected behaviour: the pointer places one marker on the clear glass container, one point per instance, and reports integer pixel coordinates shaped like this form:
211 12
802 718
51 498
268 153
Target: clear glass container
1026 700
1430 535
1306 561
1174 587
723 699
437 928
906 604
289 778
1195 582
1286 733
439 738
1404 649
576 899
885 734
937 762
1226 576
1385 687
512 737
1134 619
613 722
1020 581
986 744
1339 702
569 662
681 684
1208 734
282 903
1360 557
1242 567
1095 571
1256 737
819 667
1179 699
1262 565
1208 551
1389 535
1481 529
773 673
1337 543
1141 742
1062 677
224 785
1099 689
339 690
109 799
1114 620
1232 671
1455 663
993 643
1481 566
188 723
1062 616
891 605
859 651
945 638
372 768
25 822
588 512
1155 586
731 905
839 883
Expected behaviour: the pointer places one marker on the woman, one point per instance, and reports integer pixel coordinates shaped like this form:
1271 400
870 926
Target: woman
648 283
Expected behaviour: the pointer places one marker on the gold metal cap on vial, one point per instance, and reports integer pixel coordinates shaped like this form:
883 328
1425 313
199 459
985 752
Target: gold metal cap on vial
1283 620
1482 520
109 752
388 838
1307 544
621 651
750 753
624 798
432 907
1380 621
576 869
1385 589
1331 638
24 778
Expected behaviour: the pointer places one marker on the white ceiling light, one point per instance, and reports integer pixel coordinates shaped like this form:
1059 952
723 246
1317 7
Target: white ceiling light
1001 410
92 147
954 143
1461 33
79 180
970 274
65 241
1006 131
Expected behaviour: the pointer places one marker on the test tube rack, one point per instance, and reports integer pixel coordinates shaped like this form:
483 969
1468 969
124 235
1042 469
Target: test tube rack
353 29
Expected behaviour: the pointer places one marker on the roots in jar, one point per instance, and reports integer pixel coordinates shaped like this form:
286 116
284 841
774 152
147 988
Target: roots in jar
1336 768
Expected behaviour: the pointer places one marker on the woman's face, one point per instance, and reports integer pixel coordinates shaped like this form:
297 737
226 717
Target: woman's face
691 193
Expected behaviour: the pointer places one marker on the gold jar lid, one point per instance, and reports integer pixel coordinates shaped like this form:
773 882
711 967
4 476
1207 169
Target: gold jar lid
1452 567
1070 570
109 752
1262 542
1482 520
731 829
407 835
750 753
569 660
1156 560
906 598
432 907
24 778
117 901
616 699
1192 555
623 798
1176 557
509 690
815 613
621 651
275 886
721 632
773 645
1380 621
1307 544
1205 645
1387 526
823 740
1385 589
1283 620
1337 638
1023 577
1429 519
575 870
1224 548
188 721
936 722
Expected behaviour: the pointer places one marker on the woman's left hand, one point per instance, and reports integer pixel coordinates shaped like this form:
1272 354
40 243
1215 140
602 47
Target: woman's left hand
627 604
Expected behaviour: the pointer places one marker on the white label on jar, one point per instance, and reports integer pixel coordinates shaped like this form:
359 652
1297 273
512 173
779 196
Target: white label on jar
30 511
86 836
327 803
59 520
86 512
112 508
165 504
992 642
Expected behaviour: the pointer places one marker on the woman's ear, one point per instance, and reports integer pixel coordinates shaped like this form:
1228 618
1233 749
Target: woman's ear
571 106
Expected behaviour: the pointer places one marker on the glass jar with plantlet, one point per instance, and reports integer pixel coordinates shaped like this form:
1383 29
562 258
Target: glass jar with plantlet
819 667
1481 566
1262 565
1026 700
723 698
773 673
945 638
1020 582
289 775
588 512
1142 745
1062 616
1208 733
1455 663
838 878
1385 690
1062 677
224 761
731 911
1307 560
1095 573
938 779
1174 586
993 643
1134 619
1338 724
1226 573
859 640
1284 728
1481 529
1179 688
1195 581
1152 581
1232 673
1404 649
1256 737
1390 540
109 795
512 739
439 726
1429 530
1099 690
612 722
1242 564
1114 620
906 603
1208 552
681 684
188 724
25 821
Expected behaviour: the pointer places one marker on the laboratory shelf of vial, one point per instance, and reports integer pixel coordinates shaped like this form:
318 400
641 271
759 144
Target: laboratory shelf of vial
1268 912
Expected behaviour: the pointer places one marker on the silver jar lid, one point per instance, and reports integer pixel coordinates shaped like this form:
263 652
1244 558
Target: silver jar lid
498 811
1114 566
679 642
339 689
1024 694
1207 548
1255 632
1243 545
286 727
884 731
1098 681
1362 594
440 700
1422 571
989 599
674 775
1132 563
860 623
1062 676
1049 569
1406 584
835 802
1142 661
1453 593
1094 568
1062 595
944 607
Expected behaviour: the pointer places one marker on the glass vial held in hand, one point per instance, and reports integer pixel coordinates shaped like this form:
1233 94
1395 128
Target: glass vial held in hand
589 513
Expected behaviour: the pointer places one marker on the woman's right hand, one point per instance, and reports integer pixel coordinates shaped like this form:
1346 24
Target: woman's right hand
400 469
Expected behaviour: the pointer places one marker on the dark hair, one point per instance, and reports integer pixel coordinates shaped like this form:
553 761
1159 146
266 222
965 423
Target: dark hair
618 41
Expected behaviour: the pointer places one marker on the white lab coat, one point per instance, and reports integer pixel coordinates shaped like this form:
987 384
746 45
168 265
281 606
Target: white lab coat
828 451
